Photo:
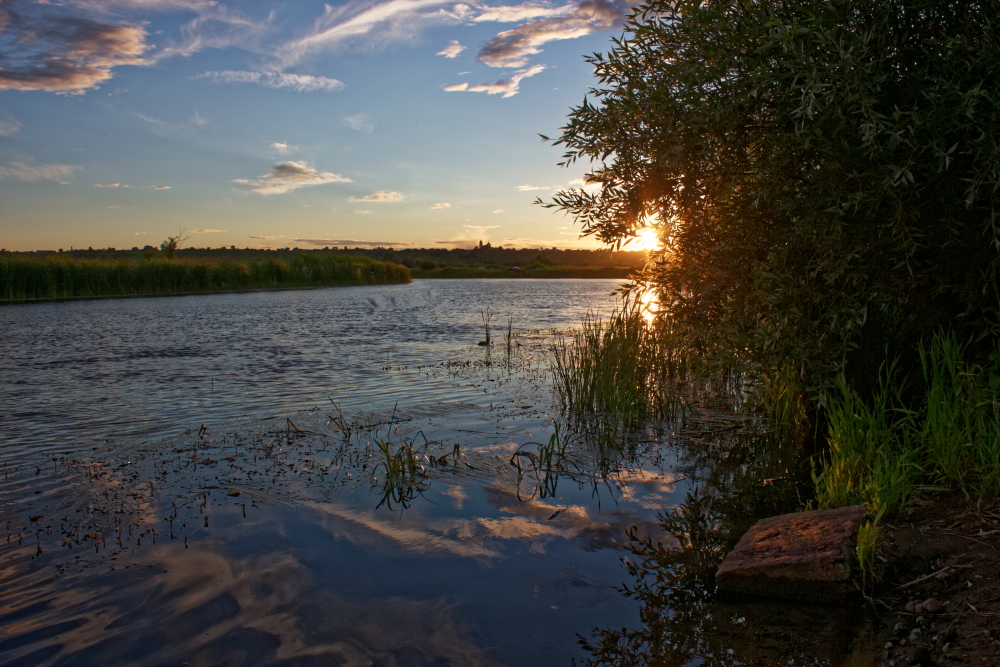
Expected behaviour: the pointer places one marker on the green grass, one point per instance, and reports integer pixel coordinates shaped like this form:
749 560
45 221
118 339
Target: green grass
55 277
883 451
621 367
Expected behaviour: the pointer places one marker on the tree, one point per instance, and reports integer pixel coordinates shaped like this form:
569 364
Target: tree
824 174
173 243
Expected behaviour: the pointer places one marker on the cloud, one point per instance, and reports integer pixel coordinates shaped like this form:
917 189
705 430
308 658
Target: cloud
499 210
361 211
266 238
522 12
369 25
160 187
382 195
483 227
281 148
288 176
216 26
354 243
441 204
9 126
166 127
452 50
41 49
586 182
208 231
361 122
526 187
107 185
302 83
511 48
60 173
508 87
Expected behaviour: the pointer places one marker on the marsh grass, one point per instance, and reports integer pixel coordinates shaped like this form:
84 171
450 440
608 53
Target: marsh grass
55 277
622 367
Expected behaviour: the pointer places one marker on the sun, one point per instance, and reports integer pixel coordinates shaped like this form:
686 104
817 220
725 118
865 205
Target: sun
647 239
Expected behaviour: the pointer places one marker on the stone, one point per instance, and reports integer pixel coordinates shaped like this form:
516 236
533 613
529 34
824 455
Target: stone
807 556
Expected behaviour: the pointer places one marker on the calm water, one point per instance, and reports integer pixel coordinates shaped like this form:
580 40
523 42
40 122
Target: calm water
478 570
202 481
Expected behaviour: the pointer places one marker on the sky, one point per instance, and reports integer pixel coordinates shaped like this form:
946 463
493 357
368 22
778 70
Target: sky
403 123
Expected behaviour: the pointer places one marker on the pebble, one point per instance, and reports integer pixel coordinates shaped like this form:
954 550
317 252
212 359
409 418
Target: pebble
930 605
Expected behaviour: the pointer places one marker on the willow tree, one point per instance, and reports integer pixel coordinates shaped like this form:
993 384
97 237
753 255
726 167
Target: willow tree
824 173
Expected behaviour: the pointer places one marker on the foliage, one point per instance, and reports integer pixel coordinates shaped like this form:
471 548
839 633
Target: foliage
824 174
882 451
57 277
170 246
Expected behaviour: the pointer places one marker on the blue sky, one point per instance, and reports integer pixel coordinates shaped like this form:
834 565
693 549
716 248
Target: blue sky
273 124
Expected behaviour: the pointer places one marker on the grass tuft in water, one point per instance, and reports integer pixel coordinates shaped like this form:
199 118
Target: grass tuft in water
622 367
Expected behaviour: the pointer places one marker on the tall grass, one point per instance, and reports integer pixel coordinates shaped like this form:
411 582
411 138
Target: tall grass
621 367
944 435
64 277
884 450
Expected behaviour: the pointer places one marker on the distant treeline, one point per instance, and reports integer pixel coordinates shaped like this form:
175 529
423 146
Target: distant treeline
67 275
414 258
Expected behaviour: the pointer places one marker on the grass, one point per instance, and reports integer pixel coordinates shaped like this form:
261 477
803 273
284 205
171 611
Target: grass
883 451
621 367
55 277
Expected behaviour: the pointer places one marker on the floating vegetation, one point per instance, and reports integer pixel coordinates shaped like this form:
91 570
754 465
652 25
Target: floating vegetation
65 277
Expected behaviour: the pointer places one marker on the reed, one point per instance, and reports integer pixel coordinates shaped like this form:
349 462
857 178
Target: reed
623 367
54 277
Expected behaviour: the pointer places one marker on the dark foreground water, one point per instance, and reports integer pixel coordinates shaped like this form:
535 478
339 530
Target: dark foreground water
204 481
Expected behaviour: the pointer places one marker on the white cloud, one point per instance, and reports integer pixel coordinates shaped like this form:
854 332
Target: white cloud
525 187
441 204
370 25
361 122
60 173
161 187
507 87
167 127
523 12
382 195
302 83
452 50
208 231
511 48
362 211
288 176
499 210
107 185
217 26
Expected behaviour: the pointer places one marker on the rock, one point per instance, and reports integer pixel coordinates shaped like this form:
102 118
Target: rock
803 556
930 606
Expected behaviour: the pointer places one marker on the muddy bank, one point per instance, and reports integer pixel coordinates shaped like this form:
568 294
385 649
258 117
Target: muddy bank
938 601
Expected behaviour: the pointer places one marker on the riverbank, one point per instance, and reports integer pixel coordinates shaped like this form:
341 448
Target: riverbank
25 278
939 595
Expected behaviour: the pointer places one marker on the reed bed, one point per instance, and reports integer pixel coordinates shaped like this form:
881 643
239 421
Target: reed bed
25 278
621 367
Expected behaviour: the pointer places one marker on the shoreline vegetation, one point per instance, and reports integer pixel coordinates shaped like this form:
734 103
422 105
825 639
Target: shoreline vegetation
27 278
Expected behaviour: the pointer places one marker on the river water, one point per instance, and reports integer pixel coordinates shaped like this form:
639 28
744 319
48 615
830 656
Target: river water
202 481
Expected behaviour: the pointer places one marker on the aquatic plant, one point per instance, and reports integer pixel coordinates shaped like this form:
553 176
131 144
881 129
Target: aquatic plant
62 277
622 366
